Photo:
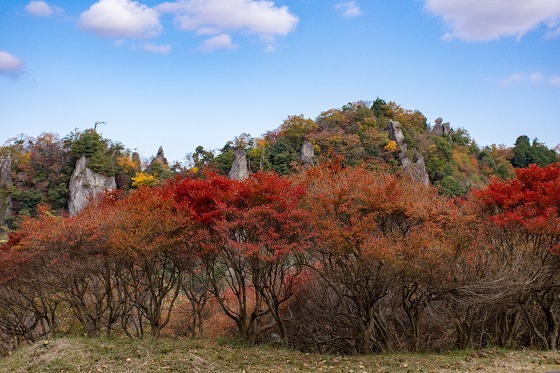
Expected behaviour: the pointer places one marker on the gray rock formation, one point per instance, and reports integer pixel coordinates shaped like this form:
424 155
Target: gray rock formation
137 162
307 153
415 167
441 129
5 183
403 157
85 185
395 132
160 158
239 168
417 170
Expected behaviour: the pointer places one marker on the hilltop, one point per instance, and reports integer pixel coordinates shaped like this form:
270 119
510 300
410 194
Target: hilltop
363 231
377 134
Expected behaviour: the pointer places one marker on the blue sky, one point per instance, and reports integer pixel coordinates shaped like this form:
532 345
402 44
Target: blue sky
199 72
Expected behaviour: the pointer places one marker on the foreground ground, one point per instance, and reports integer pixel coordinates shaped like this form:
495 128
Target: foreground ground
99 355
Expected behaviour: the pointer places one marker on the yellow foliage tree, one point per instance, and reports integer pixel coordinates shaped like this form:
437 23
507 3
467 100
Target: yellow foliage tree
411 119
126 163
144 179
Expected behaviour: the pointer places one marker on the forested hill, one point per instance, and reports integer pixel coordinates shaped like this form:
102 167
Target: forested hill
344 247
37 170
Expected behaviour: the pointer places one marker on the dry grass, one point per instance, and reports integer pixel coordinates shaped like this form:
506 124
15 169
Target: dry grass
184 355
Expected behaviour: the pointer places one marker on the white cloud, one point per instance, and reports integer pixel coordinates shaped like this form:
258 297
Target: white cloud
349 9
39 9
160 49
534 78
121 19
222 41
513 78
211 17
482 20
10 64
554 80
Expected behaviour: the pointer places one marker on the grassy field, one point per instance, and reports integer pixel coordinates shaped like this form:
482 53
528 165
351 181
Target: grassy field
120 355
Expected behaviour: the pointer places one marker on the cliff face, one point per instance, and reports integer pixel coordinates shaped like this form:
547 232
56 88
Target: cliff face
239 168
85 185
5 182
307 153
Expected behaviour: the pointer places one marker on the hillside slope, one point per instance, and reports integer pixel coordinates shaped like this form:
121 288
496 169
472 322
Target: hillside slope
358 133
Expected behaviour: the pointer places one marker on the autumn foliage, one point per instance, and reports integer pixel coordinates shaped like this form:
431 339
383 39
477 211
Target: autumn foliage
531 202
334 259
524 217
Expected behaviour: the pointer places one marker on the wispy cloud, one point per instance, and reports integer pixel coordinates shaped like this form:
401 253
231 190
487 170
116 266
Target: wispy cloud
349 9
554 80
159 49
483 20
10 64
222 41
218 17
512 79
39 9
121 19
534 78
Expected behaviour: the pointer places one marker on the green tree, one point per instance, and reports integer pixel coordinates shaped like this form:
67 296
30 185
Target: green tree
522 152
380 108
525 153
450 187
439 159
281 155
223 161
85 143
295 128
543 155
200 158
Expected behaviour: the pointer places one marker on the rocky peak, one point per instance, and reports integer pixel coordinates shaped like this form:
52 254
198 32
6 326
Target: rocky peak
239 169
86 185
415 167
137 162
395 132
160 157
440 128
307 153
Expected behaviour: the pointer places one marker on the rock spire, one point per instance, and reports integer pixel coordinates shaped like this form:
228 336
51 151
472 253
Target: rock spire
85 185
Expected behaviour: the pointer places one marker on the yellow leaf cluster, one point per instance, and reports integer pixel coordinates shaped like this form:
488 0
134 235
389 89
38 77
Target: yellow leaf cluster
316 148
391 146
144 179
126 163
